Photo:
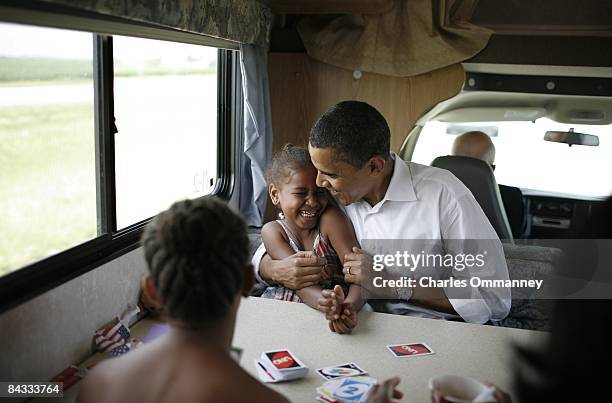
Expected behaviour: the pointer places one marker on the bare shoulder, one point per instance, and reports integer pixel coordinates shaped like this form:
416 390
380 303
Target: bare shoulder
272 230
95 386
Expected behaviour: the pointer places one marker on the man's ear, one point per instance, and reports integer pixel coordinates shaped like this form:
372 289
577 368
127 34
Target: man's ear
376 165
249 281
150 296
273 191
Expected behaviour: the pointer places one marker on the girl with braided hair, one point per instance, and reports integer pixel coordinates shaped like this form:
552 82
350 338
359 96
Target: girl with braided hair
311 221
198 259
197 253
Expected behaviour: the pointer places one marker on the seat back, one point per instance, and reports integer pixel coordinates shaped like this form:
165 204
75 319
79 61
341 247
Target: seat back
512 197
478 176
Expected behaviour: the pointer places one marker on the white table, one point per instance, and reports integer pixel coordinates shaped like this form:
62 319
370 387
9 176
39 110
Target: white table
482 352
478 351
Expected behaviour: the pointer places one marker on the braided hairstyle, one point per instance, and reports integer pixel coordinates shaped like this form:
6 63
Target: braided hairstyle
197 253
289 157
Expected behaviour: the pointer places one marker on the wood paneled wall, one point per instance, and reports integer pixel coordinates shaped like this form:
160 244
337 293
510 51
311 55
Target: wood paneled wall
301 89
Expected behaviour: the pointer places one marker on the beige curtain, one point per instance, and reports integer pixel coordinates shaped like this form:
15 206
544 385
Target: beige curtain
416 37
243 21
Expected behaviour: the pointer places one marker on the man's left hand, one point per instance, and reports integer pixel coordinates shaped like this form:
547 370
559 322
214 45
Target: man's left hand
356 266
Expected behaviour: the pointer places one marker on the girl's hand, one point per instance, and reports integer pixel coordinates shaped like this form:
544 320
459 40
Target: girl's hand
347 321
331 303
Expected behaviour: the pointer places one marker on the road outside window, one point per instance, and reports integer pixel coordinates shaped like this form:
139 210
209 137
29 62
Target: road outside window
523 159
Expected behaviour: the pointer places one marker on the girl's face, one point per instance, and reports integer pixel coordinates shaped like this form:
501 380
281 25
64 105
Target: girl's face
300 199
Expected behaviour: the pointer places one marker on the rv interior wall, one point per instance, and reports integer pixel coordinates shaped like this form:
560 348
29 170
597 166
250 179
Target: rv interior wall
45 335
301 89
54 330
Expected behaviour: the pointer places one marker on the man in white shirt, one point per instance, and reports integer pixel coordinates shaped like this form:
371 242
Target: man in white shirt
389 199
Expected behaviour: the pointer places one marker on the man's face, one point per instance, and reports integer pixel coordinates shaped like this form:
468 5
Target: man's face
345 182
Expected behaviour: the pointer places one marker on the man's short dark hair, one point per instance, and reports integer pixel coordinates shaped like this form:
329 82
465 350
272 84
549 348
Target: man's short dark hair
198 253
355 130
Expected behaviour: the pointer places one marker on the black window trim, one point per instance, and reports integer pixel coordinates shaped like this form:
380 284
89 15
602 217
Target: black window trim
41 276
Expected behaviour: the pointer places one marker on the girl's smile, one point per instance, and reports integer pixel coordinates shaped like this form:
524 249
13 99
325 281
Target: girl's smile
300 199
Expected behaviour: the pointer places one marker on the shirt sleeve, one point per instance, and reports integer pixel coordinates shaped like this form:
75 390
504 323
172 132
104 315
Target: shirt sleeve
466 230
257 256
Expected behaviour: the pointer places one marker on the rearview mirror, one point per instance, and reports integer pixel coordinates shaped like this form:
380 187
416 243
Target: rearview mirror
572 138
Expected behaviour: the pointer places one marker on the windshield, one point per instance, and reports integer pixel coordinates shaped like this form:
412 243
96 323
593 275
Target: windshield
523 159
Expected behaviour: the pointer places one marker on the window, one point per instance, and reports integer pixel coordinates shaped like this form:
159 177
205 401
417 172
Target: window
166 116
47 151
76 193
523 159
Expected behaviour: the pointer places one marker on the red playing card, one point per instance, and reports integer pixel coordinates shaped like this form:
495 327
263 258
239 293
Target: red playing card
410 349
282 359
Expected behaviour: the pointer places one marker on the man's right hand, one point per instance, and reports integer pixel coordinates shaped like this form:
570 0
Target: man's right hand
302 269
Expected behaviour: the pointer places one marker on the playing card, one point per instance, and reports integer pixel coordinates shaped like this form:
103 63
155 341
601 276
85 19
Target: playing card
282 365
325 399
236 353
282 360
263 374
341 371
352 390
326 391
410 349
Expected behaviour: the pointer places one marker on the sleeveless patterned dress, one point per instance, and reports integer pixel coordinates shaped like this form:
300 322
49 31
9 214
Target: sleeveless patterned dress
330 276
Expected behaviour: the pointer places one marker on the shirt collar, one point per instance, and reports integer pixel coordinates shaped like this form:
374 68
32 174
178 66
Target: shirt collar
400 187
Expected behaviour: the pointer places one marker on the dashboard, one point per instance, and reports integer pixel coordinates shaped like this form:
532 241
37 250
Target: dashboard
557 217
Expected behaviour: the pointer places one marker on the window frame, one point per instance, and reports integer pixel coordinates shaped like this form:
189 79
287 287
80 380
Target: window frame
31 280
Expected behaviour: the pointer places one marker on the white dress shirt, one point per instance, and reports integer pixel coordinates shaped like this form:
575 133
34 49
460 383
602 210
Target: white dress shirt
427 203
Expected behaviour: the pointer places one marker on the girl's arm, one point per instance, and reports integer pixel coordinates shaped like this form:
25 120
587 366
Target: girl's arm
275 241
310 296
355 298
277 246
337 228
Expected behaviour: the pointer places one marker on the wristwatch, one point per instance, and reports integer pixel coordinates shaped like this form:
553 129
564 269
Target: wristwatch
404 293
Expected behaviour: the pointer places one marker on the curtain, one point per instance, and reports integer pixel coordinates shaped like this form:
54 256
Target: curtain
415 37
257 140
243 21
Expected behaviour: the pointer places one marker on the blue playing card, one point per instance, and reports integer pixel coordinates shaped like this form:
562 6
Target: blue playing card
352 390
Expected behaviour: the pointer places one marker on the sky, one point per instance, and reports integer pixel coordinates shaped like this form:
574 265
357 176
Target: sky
28 41
23 40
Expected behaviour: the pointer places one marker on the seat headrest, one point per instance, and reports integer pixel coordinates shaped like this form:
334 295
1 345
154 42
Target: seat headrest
478 176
